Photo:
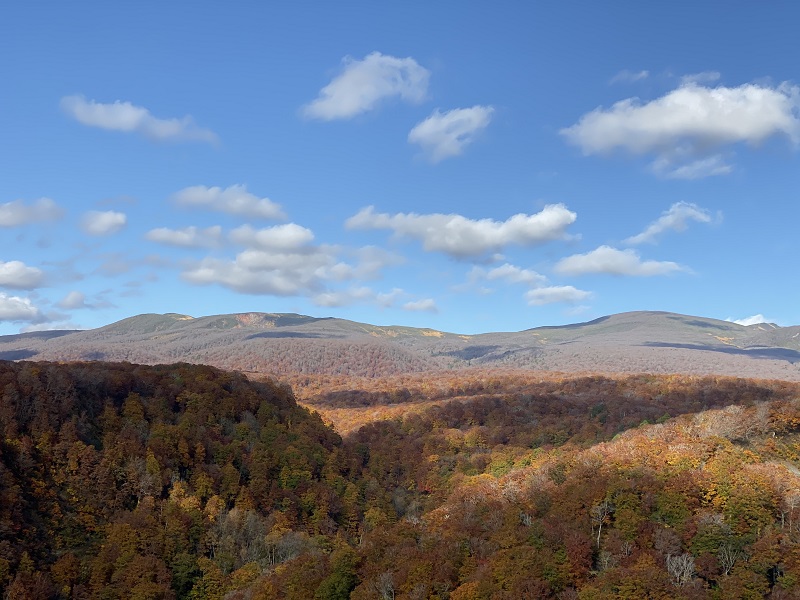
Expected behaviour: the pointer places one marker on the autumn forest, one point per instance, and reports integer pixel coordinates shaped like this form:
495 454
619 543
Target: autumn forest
189 482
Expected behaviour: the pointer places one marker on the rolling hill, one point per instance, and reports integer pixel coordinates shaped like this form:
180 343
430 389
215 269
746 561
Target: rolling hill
280 344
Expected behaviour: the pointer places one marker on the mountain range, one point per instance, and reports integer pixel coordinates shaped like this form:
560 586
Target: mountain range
279 344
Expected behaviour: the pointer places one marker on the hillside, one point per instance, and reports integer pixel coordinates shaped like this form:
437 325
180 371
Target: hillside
184 482
118 481
285 344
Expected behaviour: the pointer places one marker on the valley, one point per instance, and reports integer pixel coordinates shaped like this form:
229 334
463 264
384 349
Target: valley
188 482
342 446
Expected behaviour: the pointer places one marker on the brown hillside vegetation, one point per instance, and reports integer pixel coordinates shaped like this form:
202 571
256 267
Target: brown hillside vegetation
284 345
183 481
348 403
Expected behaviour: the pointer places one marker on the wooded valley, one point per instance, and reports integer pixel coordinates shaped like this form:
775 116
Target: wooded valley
188 482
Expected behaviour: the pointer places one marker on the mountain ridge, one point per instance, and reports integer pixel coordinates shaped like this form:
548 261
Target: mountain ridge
290 343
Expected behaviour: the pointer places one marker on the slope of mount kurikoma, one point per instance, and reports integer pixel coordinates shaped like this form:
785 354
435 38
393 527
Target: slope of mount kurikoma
174 482
281 344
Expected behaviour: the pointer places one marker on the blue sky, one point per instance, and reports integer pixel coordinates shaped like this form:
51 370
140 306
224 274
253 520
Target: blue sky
468 167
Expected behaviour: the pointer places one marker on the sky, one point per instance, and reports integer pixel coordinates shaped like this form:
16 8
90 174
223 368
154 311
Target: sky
468 167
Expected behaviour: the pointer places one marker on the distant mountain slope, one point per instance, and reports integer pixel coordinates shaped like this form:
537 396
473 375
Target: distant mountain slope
658 342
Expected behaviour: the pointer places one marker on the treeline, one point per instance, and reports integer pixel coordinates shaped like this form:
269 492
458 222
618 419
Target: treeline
289 356
273 355
627 400
187 482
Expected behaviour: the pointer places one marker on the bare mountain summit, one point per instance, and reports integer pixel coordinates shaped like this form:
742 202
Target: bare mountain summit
657 342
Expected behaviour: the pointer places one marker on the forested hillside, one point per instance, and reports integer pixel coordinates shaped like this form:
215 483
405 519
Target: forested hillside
286 345
122 481
187 482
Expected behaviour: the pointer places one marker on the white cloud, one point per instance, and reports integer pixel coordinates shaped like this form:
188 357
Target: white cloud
128 118
710 166
188 237
371 260
676 219
51 326
281 262
507 272
77 300
13 214
555 294
514 274
356 295
106 222
460 237
539 294
73 300
684 126
344 297
626 76
443 135
281 237
426 305
363 84
270 273
16 309
699 78
234 200
17 275
754 320
387 299
614 262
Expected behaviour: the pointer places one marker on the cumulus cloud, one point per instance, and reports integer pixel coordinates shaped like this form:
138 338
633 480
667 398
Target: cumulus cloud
17 275
556 294
276 273
357 295
333 299
683 128
462 238
387 299
129 118
73 300
105 222
363 84
754 320
675 219
234 200
443 135
540 293
16 310
626 76
282 261
258 272
188 237
608 260
426 305
515 274
16 213
371 260
281 237
509 273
